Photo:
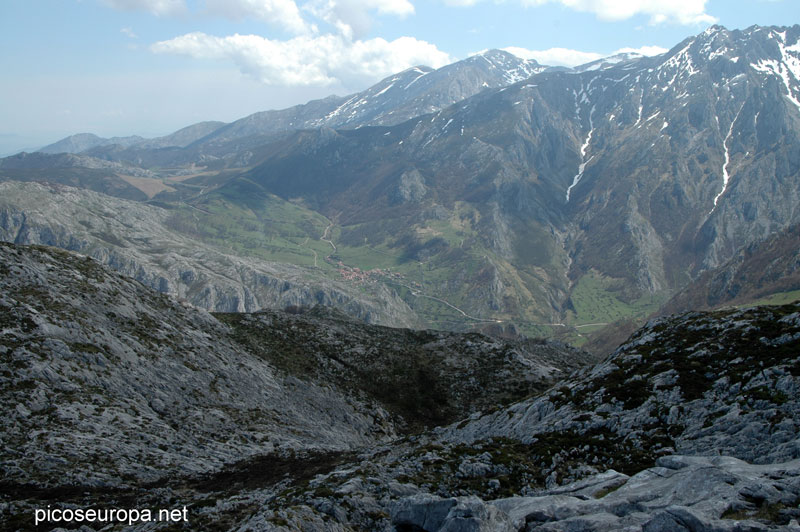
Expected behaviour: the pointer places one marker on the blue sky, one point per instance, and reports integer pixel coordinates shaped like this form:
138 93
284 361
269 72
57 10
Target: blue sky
149 67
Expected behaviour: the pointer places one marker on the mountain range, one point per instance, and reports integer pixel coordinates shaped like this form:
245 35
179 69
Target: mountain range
493 193
325 318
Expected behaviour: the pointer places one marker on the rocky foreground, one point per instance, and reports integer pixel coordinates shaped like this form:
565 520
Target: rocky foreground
690 425
113 390
117 396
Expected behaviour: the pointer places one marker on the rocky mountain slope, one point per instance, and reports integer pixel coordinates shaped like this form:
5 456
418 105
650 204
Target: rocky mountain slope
139 240
628 181
117 393
758 270
79 171
405 95
421 90
691 425
111 383
85 141
428 378
124 398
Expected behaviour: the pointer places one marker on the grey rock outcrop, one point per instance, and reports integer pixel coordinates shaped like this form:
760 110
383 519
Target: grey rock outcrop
597 452
681 493
468 514
425 378
410 187
725 381
135 239
111 383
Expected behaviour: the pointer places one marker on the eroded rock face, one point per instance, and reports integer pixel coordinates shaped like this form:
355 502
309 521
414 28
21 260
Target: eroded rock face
410 187
109 382
681 493
427 378
597 452
725 381
135 240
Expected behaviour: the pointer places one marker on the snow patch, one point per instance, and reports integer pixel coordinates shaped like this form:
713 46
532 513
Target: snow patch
584 161
641 108
725 175
385 89
785 69
421 75
577 105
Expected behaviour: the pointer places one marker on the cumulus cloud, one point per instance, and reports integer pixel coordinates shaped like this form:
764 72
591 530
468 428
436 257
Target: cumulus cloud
659 11
156 7
555 56
328 45
279 13
309 60
390 7
644 50
352 18
571 58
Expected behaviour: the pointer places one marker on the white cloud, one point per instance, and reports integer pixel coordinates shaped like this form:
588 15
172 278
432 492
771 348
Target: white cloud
400 8
128 32
644 50
336 55
571 58
279 13
659 11
309 60
352 18
555 56
156 7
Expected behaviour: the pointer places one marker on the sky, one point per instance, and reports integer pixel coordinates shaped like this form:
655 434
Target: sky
150 67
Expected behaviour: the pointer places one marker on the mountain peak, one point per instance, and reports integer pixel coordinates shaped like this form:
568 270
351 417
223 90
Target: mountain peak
715 28
502 55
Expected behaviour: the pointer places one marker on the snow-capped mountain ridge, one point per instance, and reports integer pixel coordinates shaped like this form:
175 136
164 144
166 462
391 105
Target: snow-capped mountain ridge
415 91
646 172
